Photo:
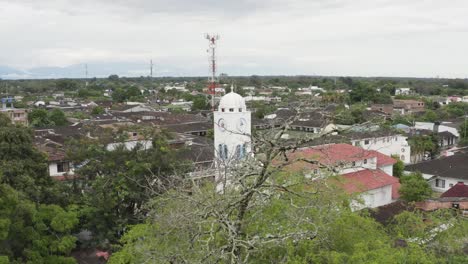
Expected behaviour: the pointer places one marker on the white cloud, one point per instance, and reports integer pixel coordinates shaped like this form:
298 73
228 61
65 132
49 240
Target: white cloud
329 37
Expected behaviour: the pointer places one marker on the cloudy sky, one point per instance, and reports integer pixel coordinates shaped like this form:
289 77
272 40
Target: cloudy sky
420 38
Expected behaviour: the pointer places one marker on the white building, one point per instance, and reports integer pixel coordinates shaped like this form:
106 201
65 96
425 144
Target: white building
250 98
232 129
386 144
443 173
402 91
174 87
433 127
366 175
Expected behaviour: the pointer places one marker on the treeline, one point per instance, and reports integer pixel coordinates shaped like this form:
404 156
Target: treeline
421 86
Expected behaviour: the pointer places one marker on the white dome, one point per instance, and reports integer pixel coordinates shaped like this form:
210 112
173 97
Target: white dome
231 101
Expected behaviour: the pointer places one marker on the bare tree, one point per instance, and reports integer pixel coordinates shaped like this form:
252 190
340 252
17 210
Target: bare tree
253 205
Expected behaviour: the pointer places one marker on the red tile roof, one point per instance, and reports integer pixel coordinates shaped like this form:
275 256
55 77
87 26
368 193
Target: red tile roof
382 159
333 154
366 180
458 190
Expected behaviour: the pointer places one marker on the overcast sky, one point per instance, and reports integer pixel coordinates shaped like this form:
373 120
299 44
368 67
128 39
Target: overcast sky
420 38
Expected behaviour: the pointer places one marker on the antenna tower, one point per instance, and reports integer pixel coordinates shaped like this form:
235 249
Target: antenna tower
151 69
212 41
86 75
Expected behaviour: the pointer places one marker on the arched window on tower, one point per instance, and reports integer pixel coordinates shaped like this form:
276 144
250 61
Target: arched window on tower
220 151
238 152
226 154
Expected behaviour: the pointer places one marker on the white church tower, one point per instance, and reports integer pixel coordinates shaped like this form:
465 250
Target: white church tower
232 129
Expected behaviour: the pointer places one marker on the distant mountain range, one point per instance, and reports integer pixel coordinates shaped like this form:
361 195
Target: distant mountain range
94 70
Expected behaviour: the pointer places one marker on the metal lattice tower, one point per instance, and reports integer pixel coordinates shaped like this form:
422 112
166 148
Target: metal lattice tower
151 69
212 40
86 75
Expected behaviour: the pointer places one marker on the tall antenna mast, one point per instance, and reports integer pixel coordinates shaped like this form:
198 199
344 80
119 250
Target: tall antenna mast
212 40
151 69
86 75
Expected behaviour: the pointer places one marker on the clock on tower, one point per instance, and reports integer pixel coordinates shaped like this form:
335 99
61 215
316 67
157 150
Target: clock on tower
232 128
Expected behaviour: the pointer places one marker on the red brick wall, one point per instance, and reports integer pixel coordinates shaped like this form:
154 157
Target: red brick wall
433 205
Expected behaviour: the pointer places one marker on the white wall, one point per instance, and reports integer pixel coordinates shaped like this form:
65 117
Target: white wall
373 198
390 145
53 171
129 145
387 169
231 135
430 126
371 164
449 183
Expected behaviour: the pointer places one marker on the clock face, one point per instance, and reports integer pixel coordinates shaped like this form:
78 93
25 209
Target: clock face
242 125
222 125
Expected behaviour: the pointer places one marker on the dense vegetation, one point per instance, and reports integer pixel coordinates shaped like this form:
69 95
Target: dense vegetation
36 220
137 204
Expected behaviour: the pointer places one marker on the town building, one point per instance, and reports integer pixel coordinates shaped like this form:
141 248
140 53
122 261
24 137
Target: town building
402 91
404 107
362 173
454 198
443 173
59 167
386 142
383 108
16 115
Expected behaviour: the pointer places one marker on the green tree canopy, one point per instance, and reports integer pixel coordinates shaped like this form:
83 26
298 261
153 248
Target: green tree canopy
58 117
362 93
414 188
117 183
42 118
33 228
398 167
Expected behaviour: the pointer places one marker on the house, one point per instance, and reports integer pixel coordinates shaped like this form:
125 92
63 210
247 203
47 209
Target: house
128 108
436 127
250 98
455 198
408 106
384 108
16 115
39 104
459 190
444 173
447 139
386 142
175 87
312 122
402 91
279 88
363 173
443 101
455 99
58 166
